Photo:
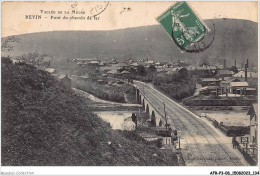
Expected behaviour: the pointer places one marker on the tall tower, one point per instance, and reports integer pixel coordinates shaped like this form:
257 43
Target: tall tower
245 72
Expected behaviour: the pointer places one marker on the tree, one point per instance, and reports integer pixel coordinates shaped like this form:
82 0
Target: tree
134 119
183 74
152 72
141 70
152 68
6 60
234 69
132 72
153 119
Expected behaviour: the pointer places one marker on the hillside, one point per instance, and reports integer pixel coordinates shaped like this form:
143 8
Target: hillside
234 39
44 124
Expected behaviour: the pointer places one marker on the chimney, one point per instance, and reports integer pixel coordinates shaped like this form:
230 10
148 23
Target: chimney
226 92
235 63
224 63
247 63
245 72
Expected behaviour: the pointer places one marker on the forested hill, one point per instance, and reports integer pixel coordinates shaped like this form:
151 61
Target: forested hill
234 40
44 124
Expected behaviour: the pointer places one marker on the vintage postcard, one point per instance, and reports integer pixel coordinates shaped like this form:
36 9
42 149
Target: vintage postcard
110 83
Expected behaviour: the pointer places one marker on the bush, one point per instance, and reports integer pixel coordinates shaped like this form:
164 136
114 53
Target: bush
178 90
100 91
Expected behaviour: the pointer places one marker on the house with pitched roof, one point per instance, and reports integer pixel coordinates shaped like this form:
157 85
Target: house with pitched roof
225 83
210 82
238 87
223 73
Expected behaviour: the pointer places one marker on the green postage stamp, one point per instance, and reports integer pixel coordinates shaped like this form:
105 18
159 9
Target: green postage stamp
183 25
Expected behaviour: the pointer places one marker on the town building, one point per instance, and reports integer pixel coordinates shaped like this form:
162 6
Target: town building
210 82
125 74
123 66
225 84
238 87
223 73
242 74
113 73
50 70
251 91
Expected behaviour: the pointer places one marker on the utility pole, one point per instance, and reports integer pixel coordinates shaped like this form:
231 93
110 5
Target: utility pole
179 142
165 116
179 138
246 72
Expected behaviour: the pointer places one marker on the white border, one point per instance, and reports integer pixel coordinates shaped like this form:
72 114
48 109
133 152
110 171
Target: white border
128 170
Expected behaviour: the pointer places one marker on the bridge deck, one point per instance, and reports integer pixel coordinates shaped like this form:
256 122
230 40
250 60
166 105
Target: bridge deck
201 143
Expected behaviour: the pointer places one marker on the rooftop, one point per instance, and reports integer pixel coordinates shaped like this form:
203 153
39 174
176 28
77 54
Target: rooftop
250 88
213 87
50 70
113 72
122 64
125 72
209 79
239 84
135 64
86 59
224 72
94 62
231 79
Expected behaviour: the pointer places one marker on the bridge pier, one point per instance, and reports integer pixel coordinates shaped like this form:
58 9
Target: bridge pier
153 119
137 95
143 107
148 108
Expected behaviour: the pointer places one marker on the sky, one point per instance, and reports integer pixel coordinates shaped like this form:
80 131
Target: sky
116 15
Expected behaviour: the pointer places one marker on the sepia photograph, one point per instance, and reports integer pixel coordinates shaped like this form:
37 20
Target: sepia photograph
129 83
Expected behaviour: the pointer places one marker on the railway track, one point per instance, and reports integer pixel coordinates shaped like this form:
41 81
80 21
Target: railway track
190 147
202 146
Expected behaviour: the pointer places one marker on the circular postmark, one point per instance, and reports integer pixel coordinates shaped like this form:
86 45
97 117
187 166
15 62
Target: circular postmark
92 9
98 9
202 44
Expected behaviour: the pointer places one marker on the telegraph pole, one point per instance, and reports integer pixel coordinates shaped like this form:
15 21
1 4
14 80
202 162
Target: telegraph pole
165 116
179 138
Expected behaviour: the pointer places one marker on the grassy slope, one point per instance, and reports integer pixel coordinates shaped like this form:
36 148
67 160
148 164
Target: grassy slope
45 124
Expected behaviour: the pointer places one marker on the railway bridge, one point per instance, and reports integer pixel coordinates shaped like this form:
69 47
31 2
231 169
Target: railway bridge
201 143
